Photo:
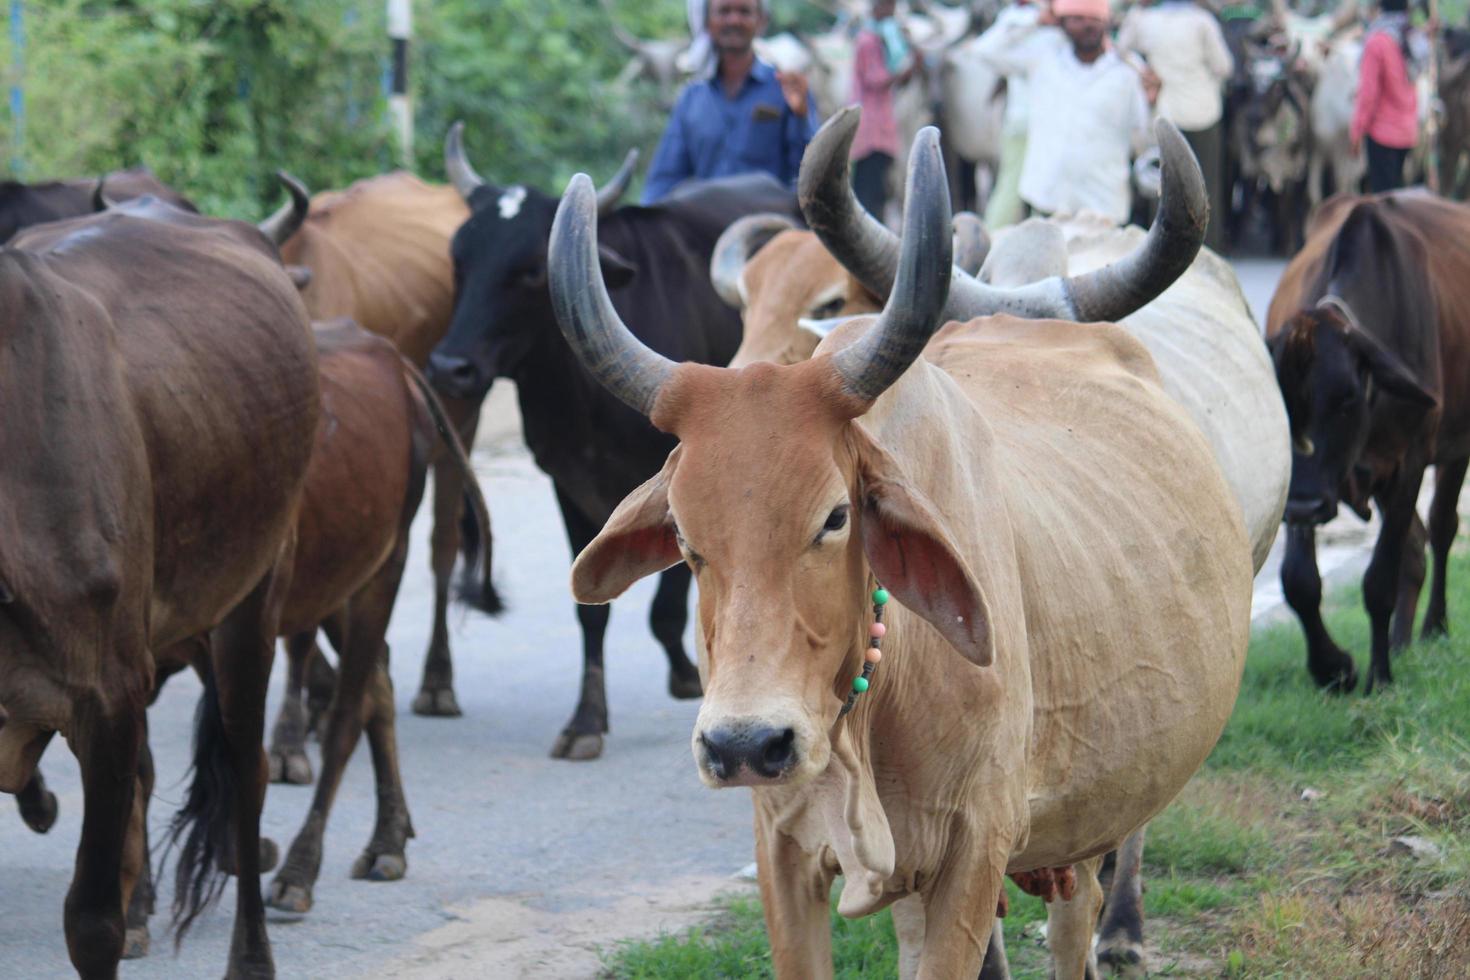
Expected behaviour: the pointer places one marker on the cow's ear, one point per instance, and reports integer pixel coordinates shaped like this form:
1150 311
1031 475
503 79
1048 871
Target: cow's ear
1293 351
616 270
1389 372
639 539
914 556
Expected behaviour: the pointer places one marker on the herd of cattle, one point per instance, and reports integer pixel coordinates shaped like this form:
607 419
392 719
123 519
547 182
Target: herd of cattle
1288 105
1064 453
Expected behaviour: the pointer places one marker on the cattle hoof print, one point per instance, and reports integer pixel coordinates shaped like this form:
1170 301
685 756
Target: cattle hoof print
437 703
135 943
290 766
286 897
41 816
577 748
379 867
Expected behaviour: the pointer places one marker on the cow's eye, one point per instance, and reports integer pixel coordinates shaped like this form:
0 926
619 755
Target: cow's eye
532 278
836 521
690 554
829 309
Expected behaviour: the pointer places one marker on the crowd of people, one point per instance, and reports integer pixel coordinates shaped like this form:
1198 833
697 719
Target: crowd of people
1080 99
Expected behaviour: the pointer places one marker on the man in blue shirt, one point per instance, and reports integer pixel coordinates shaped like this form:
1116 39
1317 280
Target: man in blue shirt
745 117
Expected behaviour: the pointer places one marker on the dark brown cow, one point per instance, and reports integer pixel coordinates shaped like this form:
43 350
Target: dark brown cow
161 399
23 205
378 252
1370 331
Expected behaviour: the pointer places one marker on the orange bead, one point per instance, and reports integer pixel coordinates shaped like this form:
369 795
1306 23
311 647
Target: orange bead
872 655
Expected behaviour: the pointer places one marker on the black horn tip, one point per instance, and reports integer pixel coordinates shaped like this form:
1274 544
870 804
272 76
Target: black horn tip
1182 178
827 151
300 197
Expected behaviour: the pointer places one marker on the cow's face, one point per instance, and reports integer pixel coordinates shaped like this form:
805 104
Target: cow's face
781 506
502 309
1331 375
791 280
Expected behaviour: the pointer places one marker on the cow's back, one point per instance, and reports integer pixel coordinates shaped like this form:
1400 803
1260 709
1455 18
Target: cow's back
379 254
1213 362
1130 557
194 352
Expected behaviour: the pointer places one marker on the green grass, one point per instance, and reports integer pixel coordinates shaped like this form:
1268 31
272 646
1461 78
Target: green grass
1245 878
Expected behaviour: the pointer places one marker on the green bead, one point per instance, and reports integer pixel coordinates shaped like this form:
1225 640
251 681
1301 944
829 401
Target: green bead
880 597
860 684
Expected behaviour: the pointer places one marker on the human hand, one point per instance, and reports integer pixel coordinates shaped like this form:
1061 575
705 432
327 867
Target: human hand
1355 146
793 88
1151 84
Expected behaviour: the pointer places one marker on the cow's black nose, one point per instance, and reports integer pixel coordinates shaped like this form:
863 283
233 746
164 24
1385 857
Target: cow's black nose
766 752
1310 510
454 376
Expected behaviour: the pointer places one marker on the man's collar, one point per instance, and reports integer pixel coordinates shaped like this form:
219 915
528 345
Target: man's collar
760 73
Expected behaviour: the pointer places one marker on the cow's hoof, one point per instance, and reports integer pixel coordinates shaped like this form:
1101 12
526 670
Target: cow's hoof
1122 957
40 816
577 748
437 703
685 688
290 766
270 855
379 867
286 897
1339 678
135 943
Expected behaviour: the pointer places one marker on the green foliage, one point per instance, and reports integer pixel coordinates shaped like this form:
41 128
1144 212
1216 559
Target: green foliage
215 95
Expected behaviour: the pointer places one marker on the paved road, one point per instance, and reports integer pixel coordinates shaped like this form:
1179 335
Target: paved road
523 865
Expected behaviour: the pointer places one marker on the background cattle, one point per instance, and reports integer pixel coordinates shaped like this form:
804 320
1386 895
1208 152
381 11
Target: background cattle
594 449
1368 331
22 205
163 398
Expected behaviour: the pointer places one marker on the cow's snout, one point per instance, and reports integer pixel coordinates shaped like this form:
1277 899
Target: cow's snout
1310 510
745 754
455 376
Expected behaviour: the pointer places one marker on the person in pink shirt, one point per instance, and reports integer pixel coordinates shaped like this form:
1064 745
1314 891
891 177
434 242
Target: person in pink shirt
880 62
1386 115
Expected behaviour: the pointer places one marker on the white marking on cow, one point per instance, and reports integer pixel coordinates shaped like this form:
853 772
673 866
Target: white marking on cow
510 202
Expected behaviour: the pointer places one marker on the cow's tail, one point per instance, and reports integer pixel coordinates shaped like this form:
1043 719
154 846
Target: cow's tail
203 827
477 544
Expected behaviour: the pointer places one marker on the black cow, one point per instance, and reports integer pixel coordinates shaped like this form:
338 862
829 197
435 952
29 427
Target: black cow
595 449
1370 332
22 205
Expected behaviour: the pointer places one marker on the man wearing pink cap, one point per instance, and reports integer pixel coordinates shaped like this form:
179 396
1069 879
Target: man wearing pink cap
1089 108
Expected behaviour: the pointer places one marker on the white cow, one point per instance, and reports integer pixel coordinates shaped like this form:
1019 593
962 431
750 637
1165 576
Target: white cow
1332 116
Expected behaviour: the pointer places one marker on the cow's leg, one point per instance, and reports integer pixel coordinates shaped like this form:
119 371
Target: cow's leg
1381 581
1071 922
1301 585
794 897
669 616
1444 521
1411 583
1120 940
908 926
384 858
37 804
996 965
321 685
581 739
288 759
436 691
959 914
140 897
107 741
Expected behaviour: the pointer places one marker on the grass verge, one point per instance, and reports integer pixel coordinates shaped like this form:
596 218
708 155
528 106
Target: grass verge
1248 874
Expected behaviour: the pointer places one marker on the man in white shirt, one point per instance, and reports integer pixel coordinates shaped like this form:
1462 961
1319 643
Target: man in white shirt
1088 109
1186 49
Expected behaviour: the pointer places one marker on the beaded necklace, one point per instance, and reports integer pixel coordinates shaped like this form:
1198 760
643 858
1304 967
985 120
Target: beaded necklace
873 653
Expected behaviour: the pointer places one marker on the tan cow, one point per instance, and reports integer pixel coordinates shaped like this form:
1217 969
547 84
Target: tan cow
1072 578
378 253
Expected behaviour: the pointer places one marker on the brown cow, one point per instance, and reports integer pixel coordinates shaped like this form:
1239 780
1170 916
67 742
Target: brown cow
378 253
1370 330
1072 577
160 406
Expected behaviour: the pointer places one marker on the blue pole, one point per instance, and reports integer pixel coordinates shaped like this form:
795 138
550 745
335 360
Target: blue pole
17 86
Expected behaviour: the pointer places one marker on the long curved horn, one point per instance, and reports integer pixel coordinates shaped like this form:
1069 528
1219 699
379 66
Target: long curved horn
458 169
916 302
869 251
739 242
616 358
971 241
285 222
610 193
